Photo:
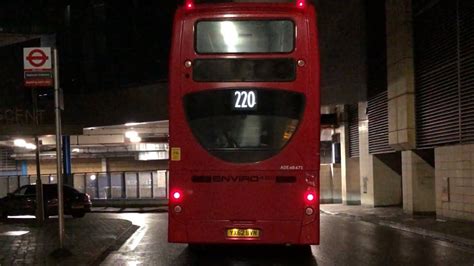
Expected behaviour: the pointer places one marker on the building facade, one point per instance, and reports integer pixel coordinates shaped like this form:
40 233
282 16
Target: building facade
413 138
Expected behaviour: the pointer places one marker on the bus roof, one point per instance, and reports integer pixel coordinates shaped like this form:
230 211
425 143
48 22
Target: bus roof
245 6
242 1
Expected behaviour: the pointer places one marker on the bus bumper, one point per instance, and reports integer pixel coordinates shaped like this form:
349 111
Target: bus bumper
270 232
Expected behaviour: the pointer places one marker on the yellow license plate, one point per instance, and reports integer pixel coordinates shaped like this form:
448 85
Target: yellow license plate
243 233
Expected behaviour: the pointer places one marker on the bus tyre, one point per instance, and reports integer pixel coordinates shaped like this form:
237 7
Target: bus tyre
78 214
196 247
301 249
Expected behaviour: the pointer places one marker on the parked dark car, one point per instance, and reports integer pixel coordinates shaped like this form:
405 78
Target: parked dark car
23 201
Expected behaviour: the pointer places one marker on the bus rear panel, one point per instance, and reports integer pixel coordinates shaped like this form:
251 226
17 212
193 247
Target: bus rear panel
244 124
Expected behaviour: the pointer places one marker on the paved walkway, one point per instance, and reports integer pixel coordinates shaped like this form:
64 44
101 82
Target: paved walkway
457 232
125 210
89 240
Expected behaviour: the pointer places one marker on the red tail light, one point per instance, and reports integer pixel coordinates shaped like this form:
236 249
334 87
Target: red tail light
189 4
300 3
310 197
176 196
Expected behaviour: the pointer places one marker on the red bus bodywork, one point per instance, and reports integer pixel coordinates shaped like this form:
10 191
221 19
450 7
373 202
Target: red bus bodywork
244 195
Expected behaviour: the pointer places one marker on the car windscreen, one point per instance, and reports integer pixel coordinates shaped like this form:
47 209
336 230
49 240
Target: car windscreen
70 191
52 190
31 190
244 36
244 125
20 191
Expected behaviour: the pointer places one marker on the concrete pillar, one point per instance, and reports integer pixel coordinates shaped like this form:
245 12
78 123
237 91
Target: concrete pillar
351 181
3 186
418 184
400 76
325 184
417 174
380 182
330 172
350 174
366 160
330 183
387 180
104 165
24 167
336 182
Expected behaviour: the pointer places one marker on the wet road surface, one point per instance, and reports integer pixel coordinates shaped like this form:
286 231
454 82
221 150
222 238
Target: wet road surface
344 241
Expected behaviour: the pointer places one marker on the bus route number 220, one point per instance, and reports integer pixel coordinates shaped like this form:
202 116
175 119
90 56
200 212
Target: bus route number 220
244 100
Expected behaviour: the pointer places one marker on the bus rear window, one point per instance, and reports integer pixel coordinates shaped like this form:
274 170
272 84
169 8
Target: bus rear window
243 126
245 36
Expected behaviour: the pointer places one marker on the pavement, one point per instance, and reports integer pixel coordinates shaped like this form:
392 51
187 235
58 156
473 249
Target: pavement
344 241
129 210
460 233
87 240
112 236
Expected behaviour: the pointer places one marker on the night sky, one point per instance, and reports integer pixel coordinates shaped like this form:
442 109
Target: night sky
103 44
108 45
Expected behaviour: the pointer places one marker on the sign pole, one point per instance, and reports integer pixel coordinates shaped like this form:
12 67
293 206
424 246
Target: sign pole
58 150
39 185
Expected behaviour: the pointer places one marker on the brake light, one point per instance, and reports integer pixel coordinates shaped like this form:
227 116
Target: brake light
309 197
176 195
189 4
300 3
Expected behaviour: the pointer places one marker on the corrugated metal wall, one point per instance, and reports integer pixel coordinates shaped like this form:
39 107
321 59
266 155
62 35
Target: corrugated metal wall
444 73
466 65
353 117
377 108
7 165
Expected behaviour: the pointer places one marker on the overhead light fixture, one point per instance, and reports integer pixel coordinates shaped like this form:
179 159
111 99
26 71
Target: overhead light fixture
30 146
19 143
131 134
131 124
14 233
76 150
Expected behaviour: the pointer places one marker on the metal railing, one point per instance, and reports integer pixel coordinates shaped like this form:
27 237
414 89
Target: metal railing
103 185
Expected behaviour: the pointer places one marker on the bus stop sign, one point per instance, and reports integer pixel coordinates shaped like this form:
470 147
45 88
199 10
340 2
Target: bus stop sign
38 71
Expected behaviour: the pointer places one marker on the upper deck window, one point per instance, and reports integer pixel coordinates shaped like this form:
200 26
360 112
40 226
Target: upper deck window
245 36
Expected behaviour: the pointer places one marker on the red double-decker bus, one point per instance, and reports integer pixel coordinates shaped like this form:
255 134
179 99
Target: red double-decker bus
244 124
